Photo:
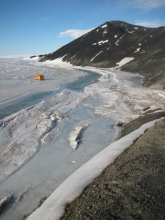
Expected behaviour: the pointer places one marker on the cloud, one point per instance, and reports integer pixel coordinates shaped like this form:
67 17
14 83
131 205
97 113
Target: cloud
146 23
73 33
15 56
146 4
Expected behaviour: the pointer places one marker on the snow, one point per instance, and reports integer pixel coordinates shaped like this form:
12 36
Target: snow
58 62
130 32
104 26
119 40
96 55
137 50
71 188
101 42
136 28
105 32
124 61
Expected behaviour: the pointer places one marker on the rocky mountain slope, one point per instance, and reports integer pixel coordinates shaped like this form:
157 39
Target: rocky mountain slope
111 42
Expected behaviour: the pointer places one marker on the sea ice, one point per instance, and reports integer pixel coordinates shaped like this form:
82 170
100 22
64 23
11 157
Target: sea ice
42 132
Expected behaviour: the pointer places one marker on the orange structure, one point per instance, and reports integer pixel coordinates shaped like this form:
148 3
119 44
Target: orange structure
39 77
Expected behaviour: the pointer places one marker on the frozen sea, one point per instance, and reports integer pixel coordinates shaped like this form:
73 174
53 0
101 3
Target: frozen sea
50 128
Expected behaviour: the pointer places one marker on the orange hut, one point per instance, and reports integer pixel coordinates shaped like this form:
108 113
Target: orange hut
39 77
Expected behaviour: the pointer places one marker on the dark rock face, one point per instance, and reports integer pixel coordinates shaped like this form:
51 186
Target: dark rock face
109 43
130 188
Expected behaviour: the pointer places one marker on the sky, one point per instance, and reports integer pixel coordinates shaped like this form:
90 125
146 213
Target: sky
32 27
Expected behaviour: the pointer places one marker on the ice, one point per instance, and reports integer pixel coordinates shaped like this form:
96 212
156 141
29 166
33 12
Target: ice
75 137
17 76
53 208
39 138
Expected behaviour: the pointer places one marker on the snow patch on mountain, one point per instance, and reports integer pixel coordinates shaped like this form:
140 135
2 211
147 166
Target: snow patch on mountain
124 61
96 55
119 40
137 50
100 42
104 26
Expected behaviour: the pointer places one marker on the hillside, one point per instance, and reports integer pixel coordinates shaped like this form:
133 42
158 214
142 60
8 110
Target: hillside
111 42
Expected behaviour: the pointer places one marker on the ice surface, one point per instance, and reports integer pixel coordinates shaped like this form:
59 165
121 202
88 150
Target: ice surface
75 137
17 76
71 188
42 132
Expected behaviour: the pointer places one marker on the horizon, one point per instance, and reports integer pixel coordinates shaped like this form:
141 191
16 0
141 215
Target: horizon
44 26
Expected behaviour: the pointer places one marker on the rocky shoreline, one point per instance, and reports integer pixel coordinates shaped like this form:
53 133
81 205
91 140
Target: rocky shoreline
133 186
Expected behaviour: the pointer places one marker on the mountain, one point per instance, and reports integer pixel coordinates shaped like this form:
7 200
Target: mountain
108 44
